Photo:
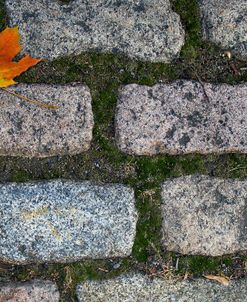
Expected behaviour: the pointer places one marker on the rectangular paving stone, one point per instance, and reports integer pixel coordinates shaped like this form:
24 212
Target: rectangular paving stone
182 117
146 30
224 22
33 291
65 221
141 288
28 130
203 215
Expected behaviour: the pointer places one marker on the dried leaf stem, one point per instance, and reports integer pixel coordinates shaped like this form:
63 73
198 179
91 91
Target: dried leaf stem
43 105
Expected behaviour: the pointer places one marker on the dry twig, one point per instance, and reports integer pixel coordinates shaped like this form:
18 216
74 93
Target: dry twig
43 105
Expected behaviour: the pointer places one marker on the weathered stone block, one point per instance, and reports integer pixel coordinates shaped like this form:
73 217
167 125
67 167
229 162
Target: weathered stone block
34 291
145 30
225 22
31 131
182 117
204 215
137 287
64 221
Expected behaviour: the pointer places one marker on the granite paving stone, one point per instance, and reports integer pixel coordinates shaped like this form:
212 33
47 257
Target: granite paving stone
204 215
33 291
65 221
28 130
182 117
224 22
137 287
141 29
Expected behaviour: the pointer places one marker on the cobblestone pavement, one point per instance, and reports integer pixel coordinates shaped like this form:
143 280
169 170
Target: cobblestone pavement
134 189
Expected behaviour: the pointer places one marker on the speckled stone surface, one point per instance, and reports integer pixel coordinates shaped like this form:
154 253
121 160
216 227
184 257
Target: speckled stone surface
30 131
146 30
34 291
64 221
204 215
140 288
182 117
225 22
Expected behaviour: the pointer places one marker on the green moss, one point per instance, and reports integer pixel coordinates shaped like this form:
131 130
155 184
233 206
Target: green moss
199 264
20 176
227 261
149 223
155 169
189 13
202 265
2 15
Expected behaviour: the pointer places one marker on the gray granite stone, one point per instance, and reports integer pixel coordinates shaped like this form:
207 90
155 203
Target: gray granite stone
64 221
182 117
31 131
145 30
204 215
34 291
225 22
140 288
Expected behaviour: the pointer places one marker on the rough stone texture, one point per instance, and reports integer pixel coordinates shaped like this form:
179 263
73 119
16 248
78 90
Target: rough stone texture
225 22
204 215
31 131
182 118
64 221
146 30
34 291
136 288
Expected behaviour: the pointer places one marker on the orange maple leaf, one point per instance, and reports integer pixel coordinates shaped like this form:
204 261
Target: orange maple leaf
9 48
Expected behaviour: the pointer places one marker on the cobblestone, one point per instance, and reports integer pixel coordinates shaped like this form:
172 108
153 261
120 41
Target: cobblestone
182 117
225 23
204 215
29 130
137 287
65 221
145 30
34 291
